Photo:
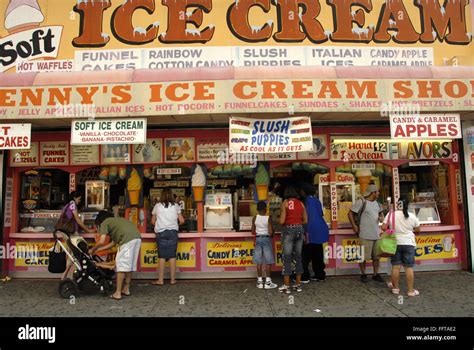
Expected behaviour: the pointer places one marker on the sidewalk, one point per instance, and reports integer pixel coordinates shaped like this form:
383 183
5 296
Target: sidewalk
443 294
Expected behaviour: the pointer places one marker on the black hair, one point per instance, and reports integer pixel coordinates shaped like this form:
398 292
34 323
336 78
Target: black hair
403 205
290 192
74 194
261 206
103 214
309 189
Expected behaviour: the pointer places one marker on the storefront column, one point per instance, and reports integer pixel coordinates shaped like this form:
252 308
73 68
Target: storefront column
332 182
453 201
200 216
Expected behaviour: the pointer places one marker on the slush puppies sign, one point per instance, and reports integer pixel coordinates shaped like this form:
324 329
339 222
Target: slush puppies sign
425 126
270 135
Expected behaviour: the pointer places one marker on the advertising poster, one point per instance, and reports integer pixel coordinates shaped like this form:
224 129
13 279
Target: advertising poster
84 154
270 135
25 157
115 154
32 254
149 152
180 150
230 254
15 136
320 149
185 255
54 153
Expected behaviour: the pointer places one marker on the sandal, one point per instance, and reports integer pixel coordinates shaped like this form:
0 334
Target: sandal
395 291
157 284
112 297
172 283
414 293
127 295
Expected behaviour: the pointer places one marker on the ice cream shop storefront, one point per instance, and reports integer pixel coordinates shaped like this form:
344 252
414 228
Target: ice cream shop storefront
218 193
127 98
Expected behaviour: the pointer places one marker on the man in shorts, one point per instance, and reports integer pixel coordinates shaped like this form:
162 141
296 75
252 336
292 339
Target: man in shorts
368 231
123 233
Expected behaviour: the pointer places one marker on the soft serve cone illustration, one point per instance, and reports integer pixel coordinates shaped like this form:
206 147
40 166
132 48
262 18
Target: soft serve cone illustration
262 180
363 176
198 182
22 15
134 186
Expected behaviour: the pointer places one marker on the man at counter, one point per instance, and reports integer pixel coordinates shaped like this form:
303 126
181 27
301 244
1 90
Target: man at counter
125 234
369 214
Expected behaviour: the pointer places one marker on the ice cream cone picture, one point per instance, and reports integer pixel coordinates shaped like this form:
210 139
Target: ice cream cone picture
198 183
22 15
134 186
262 180
363 177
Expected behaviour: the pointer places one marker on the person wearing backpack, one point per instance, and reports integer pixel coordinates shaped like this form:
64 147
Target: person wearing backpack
364 217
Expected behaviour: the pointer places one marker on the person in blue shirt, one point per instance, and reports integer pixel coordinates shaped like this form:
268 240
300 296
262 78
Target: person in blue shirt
317 233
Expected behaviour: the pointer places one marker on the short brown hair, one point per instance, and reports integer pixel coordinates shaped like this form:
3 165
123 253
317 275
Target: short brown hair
167 197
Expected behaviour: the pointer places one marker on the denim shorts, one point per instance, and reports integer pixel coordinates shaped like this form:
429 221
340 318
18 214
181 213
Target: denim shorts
405 255
263 253
167 242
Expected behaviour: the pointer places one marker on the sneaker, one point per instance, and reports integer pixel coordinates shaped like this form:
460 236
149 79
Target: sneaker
378 278
297 288
314 278
305 281
284 289
364 278
260 284
270 285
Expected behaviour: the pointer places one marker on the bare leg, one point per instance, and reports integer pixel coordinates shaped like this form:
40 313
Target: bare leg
120 279
161 271
298 279
68 267
268 273
126 285
410 278
362 267
396 276
376 265
286 280
259 270
173 270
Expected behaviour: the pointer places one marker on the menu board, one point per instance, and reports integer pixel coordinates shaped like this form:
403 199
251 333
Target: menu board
85 154
180 150
54 153
25 157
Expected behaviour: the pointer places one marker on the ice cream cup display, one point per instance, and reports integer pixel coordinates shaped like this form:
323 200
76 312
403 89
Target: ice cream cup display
134 186
198 183
448 243
363 176
262 180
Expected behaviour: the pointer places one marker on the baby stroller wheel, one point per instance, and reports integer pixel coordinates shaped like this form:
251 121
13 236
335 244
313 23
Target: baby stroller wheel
67 289
107 287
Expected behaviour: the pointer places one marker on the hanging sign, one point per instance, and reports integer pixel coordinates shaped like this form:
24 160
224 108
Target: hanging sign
108 132
426 126
15 136
270 135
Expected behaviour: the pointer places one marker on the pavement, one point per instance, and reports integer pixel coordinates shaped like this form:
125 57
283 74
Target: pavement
443 294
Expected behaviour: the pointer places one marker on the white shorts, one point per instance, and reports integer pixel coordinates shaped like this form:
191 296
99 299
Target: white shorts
127 256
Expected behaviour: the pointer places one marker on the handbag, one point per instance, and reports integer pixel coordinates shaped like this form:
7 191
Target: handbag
65 224
386 246
57 260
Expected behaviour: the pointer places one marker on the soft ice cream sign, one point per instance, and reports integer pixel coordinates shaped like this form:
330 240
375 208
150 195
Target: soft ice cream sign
270 135
108 132
27 40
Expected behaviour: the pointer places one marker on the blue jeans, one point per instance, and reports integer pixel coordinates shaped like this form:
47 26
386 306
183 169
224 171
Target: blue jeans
292 242
263 251
405 255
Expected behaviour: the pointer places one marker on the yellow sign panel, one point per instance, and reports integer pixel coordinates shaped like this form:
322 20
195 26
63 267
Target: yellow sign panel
427 248
230 254
32 254
176 34
185 255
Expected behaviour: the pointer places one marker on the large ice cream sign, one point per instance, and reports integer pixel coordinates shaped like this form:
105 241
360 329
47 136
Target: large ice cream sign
27 40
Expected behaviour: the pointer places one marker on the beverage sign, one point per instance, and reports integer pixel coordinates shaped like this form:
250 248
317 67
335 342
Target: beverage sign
15 136
426 126
108 132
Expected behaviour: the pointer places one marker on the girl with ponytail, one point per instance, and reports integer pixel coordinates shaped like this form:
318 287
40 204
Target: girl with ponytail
406 224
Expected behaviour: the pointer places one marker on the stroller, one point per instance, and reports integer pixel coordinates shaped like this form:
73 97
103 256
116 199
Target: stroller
87 276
